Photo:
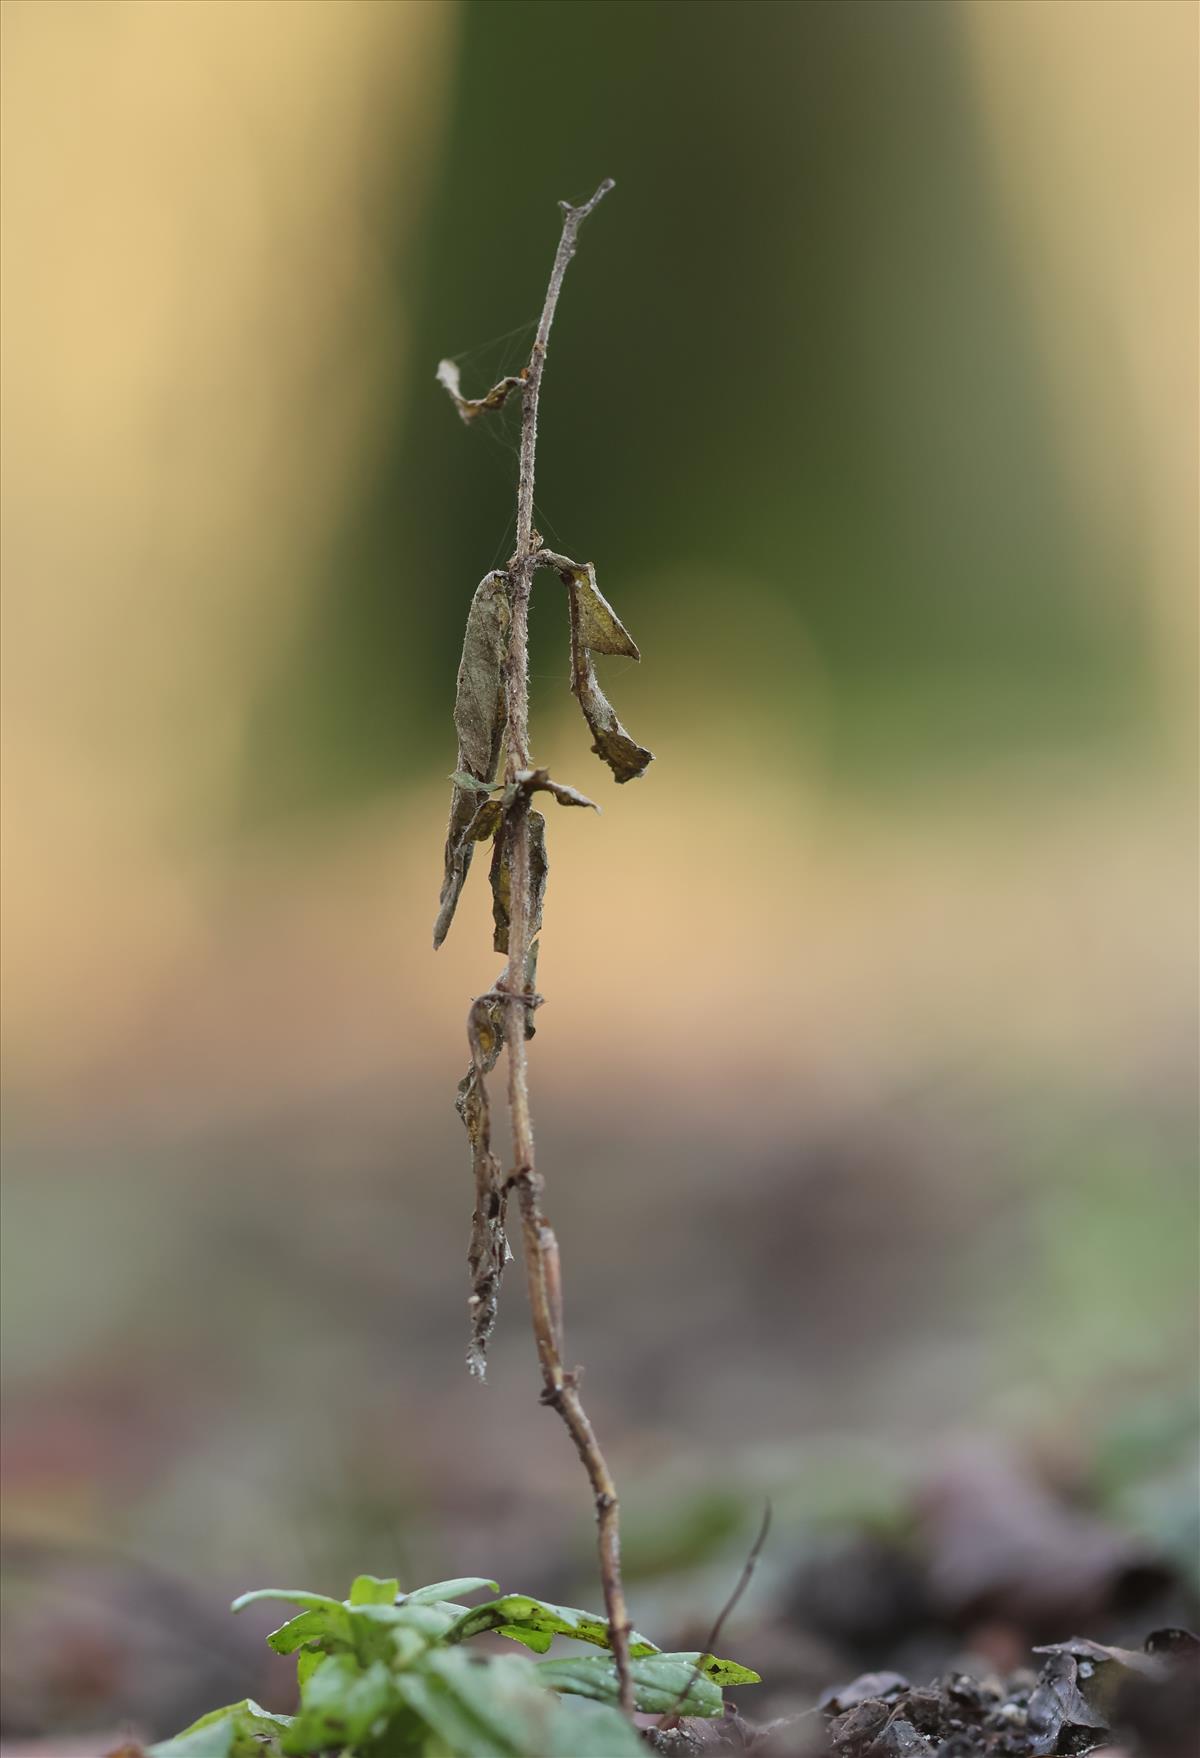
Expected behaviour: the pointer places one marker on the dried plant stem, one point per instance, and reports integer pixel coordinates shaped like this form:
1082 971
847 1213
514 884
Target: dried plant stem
559 1388
671 1717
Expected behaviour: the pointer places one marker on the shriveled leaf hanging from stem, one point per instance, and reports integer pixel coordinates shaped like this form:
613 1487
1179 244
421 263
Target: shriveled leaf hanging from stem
600 627
538 781
624 756
470 407
479 721
489 1250
501 875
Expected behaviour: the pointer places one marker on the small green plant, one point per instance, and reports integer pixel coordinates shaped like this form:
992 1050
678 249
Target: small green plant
387 1674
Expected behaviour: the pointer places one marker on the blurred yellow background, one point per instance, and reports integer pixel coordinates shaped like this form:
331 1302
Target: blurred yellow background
866 1083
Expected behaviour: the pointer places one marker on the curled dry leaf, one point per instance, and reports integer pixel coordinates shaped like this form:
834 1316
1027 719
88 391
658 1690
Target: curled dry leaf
1097 1671
534 781
600 626
488 1251
596 628
486 821
479 721
501 876
470 407
478 699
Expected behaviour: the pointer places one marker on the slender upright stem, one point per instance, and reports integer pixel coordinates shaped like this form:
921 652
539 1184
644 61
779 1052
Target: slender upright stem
573 218
559 1387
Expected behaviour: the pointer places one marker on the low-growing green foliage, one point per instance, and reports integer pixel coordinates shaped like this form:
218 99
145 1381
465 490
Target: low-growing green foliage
386 1674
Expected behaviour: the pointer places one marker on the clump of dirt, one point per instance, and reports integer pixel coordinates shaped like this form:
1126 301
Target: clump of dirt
1085 1697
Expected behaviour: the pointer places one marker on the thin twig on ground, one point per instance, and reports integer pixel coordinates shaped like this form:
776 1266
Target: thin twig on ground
707 1653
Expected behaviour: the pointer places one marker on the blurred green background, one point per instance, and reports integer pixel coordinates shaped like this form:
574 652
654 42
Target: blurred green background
869 1115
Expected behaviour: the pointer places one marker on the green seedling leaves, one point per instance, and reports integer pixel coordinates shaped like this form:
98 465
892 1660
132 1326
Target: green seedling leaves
535 1623
468 1701
341 1703
380 1631
384 1673
310 1626
208 1739
307 1662
596 629
721 1672
328 1617
479 722
375 1590
661 1682
495 1706
446 1590
240 1730
373 1626
290 1596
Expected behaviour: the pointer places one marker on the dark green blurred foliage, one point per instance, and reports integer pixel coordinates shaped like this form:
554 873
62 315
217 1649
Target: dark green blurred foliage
794 381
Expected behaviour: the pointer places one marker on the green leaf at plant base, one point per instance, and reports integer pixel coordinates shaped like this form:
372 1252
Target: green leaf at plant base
307 1662
535 1623
721 1672
388 1632
660 1682
340 1704
240 1730
495 1706
289 1596
324 1625
446 1590
376 1631
208 1739
374 1590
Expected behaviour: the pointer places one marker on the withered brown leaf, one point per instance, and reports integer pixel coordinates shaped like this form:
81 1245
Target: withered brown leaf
479 722
488 1251
592 621
600 627
501 877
